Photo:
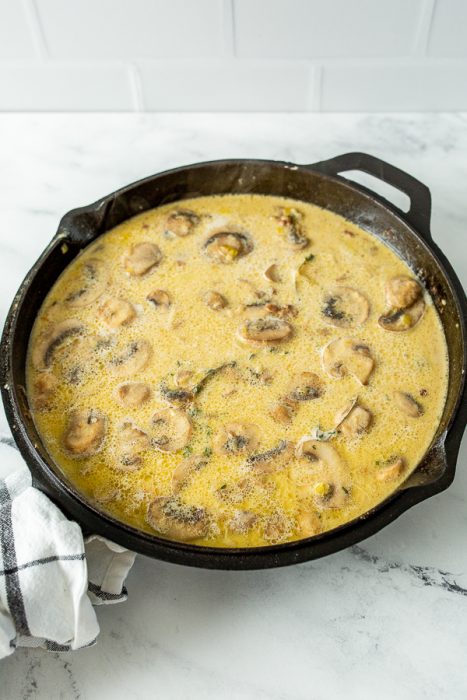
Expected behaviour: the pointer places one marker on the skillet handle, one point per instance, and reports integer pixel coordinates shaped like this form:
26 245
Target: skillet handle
419 214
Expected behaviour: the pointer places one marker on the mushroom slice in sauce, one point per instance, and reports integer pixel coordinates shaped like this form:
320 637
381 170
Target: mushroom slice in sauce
44 390
290 221
353 420
242 521
117 312
176 520
51 339
345 307
171 429
348 356
281 412
272 460
404 297
407 404
331 488
402 292
85 432
305 386
185 470
214 300
160 298
402 319
133 394
308 522
133 441
226 246
271 273
142 258
277 528
92 282
134 358
391 470
265 330
181 222
235 438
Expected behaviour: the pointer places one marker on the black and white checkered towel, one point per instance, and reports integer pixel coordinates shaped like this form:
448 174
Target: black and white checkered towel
49 577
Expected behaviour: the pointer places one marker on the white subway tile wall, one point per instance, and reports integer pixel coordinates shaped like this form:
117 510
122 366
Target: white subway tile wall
233 55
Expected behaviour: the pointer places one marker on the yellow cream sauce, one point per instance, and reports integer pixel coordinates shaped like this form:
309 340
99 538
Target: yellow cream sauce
294 500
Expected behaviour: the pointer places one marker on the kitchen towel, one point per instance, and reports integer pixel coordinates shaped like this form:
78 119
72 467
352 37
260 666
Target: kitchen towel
50 578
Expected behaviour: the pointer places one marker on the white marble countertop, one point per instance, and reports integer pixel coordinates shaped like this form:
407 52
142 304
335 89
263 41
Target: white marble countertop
383 620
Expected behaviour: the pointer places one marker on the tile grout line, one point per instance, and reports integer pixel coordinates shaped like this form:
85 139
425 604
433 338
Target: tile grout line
422 32
136 87
315 90
228 28
36 29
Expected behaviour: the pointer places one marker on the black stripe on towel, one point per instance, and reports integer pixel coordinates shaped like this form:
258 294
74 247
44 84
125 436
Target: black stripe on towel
44 560
14 594
103 595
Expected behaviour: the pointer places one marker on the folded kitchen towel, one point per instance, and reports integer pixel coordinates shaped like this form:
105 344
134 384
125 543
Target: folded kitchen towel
49 577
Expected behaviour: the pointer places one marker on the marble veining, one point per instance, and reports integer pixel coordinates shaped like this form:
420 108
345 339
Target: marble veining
385 619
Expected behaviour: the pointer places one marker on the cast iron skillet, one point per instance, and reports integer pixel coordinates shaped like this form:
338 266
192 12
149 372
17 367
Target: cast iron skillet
321 183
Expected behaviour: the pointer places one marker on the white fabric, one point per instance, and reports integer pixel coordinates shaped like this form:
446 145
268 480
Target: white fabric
49 577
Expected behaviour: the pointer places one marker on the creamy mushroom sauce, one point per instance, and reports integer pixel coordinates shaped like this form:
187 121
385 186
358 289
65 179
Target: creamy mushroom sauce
237 371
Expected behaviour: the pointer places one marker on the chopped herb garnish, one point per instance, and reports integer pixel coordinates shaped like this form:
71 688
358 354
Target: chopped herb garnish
309 258
207 452
187 451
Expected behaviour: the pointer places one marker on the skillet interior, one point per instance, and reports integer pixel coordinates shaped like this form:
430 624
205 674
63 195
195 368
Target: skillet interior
81 226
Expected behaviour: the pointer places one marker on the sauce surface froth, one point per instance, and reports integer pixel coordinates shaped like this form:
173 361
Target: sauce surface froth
237 371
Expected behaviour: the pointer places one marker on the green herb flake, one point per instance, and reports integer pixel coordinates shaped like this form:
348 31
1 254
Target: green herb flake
207 452
309 258
187 451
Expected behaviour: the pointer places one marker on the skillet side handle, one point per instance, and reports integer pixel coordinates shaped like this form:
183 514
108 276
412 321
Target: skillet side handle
419 214
432 469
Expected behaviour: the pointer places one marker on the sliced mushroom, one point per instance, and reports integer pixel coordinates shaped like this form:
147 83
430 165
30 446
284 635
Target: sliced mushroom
235 438
277 528
402 292
331 488
345 307
85 432
227 246
185 470
272 460
51 339
181 222
242 522
402 319
133 394
178 397
271 273
44 389
308 522
305 386
392 470
265 330
142 258
133 441
404 297
290 221
348 356
177 520
184 378
261 309
407 404
353 420
117 312
134 358
215 301
172 430
282 413
92 282
160 298
105 494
